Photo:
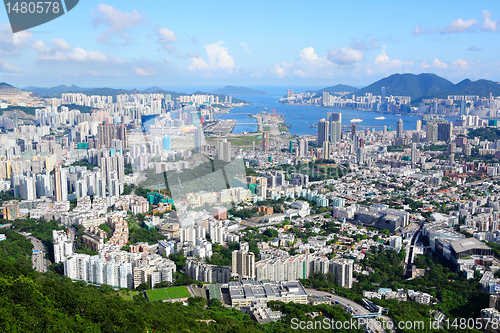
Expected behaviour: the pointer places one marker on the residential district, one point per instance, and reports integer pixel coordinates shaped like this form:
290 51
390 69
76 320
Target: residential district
145 191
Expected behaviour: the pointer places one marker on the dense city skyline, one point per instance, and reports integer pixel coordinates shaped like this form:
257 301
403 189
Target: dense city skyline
267 43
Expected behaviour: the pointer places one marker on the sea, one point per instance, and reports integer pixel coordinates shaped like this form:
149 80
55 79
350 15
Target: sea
300 117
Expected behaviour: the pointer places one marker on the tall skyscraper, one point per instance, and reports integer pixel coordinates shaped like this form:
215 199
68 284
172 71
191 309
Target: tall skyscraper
419 125
265 141
323 131
289 93
326 150
399 132
121 134
243 265
166 142
224 151
413 153
335 126
60 183
444 131
302 147
16 121
431 131
199 138
462 108
326 98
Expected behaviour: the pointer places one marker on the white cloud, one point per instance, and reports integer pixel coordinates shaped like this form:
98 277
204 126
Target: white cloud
59 50
461 64
438 64
425 65
218 59
6 67
280 69
382 60
246 47
12 43
489 24
345 55
197 63
116 22
145 71
80 55
308 65
417 31
165 38
218 56
459 25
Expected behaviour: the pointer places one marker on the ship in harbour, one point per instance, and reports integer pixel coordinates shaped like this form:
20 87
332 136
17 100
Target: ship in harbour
380 118
356 120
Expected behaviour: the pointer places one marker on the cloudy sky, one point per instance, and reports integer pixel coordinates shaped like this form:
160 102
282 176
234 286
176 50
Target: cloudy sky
175 43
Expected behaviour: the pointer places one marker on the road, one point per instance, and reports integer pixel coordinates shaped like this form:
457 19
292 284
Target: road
347 303
409 263
38 258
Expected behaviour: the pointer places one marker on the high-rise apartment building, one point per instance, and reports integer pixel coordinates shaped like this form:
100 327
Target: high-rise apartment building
63 246
444 131
243 265
224 151
399 131
431 132
265 141
335 126
323 131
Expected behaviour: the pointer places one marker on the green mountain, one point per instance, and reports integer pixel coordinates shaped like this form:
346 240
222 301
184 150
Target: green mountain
44 91
482 88
416 86
232 90
59 90
338 89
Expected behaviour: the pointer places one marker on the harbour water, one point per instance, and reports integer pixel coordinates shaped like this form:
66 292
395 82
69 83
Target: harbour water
300 117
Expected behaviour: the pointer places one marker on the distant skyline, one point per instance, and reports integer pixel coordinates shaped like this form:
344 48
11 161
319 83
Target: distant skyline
262 43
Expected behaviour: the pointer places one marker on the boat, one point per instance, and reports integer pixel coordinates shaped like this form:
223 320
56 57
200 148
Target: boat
398 114
356 120
313 126
301 116
265 108
380 118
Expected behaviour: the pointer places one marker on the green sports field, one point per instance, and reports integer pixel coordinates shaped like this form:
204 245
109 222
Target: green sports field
178 292
168 293
157 295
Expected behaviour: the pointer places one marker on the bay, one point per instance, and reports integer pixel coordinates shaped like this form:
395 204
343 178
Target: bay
300 117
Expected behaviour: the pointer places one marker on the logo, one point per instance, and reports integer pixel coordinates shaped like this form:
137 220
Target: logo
28 14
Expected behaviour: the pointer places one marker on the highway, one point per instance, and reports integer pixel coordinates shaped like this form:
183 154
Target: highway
38 258
347 304
410 259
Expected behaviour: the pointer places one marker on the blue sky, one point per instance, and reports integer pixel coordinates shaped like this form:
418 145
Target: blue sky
189 43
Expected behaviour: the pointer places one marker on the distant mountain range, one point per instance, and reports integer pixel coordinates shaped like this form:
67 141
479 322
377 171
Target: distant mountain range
416 86
429 86
232 90
7 89
339 90
57 91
